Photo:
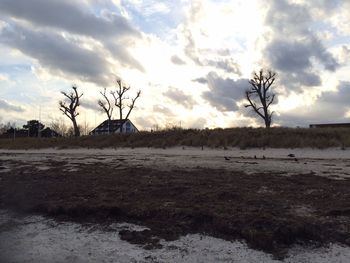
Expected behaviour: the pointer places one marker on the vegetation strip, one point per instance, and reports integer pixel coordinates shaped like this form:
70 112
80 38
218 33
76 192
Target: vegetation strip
235 137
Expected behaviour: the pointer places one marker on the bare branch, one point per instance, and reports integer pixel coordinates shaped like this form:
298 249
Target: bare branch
271 101
259 94
120 98
70 110
131 106
106 104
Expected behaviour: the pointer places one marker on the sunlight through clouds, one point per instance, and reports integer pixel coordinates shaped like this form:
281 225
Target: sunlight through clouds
175 47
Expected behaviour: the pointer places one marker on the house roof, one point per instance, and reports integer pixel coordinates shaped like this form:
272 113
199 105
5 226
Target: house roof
330 125
113 125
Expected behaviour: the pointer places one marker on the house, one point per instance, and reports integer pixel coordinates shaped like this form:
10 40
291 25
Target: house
330 125
113 126
13 133
49 133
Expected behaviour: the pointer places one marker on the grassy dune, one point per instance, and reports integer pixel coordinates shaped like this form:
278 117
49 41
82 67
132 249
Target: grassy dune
214 138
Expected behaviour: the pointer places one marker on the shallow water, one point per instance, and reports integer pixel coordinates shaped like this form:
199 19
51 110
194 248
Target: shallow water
38 239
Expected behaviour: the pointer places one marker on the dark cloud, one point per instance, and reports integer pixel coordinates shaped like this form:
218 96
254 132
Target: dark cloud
294 49
289 56
176 60
61 52
69 16
180 97
190 48
224 93
163 110
216 60
224 52
325 7
90 105
201 80
7 106
287 18
340 97
58 54
226 64
330 107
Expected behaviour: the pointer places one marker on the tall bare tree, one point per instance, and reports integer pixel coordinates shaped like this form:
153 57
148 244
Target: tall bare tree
260 97
70 109
120 102
106 106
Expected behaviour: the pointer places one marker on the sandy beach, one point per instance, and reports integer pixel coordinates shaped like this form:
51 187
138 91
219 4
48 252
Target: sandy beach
281 205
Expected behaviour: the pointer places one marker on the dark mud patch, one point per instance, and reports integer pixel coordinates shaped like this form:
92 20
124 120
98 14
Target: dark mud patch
144 237
266 210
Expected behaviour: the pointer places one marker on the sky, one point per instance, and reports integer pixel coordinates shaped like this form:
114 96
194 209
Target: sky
191 59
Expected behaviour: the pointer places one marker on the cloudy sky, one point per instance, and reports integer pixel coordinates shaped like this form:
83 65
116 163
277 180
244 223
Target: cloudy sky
191 59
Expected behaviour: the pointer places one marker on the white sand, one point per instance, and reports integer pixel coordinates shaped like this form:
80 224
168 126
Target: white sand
333 162
35 239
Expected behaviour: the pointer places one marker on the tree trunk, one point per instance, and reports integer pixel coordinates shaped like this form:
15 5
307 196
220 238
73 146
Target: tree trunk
76 128
121 126
121 119
266 117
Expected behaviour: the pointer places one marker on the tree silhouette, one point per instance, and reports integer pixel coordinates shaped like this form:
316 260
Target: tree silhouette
106 106
34 128
120 102
260 97
70 109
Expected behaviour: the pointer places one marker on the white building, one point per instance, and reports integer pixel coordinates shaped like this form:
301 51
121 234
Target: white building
113 126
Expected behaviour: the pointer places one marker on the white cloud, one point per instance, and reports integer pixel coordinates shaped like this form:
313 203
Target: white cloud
205 49
4 78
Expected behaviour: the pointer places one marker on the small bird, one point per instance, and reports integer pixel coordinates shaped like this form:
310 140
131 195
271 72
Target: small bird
227 158
291 155
255 157
264 157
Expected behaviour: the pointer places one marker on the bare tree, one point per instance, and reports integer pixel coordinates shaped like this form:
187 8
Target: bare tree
70 109
120 102
59 126
106 106
260 97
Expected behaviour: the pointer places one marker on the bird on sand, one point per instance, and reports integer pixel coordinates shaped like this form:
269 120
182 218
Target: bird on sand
227 158
291 155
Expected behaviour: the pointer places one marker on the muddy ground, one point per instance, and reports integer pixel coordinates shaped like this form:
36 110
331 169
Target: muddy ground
270 211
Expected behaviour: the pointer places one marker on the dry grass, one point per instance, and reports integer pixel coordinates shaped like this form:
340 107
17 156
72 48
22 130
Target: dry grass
214 138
